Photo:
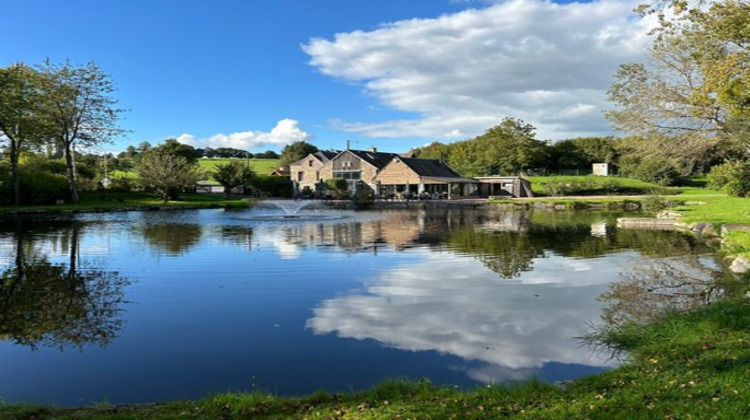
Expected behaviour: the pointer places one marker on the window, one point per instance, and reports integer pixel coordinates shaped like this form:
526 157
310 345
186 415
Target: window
347 175
310 163
317 175
300 176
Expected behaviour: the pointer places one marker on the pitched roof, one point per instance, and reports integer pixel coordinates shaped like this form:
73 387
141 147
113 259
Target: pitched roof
430 167
326 155
322 155
376 159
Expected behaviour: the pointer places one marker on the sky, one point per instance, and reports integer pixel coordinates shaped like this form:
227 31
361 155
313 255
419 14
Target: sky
392 74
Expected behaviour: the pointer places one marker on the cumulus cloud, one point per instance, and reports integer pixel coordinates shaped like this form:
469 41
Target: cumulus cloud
549 64
285 132
453 305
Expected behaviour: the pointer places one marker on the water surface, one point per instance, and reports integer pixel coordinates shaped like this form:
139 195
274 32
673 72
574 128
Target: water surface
148 306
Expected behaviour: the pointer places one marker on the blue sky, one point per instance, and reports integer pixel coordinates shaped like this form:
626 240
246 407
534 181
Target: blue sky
391 74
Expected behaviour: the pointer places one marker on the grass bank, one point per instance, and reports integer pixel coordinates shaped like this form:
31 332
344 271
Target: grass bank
111 201
686 365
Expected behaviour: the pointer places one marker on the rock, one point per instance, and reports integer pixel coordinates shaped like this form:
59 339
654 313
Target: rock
740 265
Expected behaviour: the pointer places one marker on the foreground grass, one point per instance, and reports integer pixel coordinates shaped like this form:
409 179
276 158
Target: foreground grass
133 201
689 365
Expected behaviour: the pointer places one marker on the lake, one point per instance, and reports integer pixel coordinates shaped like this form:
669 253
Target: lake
139 307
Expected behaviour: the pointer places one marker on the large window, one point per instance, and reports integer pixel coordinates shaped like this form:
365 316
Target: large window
347 175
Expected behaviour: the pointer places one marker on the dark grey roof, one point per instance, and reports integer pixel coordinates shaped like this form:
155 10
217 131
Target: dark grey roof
376 159
326 155
430 167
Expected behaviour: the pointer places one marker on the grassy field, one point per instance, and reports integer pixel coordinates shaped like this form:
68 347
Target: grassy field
260 166
687 365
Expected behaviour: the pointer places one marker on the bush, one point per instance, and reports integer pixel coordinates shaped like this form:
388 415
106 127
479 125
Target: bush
655 170
121 184
272 186
364 199
338 187
37 187
732 177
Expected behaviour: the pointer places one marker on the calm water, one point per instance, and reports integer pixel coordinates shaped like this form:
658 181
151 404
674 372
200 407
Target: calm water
141 307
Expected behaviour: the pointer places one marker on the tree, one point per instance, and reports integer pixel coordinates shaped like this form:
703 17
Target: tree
231 175
696 79
509 148
166 174
296 151
19 116
175 148
77 103
268 154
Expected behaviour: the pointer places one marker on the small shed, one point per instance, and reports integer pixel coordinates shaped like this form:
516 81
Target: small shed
601 169
504 186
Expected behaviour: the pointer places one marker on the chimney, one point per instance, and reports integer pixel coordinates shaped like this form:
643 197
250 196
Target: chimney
373 149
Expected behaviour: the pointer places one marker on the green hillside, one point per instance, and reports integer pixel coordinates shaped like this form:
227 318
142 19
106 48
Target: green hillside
260 166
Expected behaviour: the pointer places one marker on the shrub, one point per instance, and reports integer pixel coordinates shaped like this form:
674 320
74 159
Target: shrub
732 177
655 170
338 187
611 185
364 199
272 186
37 187
121 184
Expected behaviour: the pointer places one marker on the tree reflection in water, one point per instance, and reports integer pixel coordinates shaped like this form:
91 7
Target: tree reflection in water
172 238
55 304
660 286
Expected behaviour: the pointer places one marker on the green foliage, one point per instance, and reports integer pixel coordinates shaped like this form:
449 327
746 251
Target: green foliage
167 175
582 152
272 186
78 106
232 175
506 149
364 199
732 177
655 169
338 187
175 148
38 186
296 151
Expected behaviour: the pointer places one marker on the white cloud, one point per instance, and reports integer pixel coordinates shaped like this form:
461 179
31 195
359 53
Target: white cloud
285 132
546 63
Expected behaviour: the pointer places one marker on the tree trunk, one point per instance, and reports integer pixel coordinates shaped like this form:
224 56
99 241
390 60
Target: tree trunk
14 151
70 163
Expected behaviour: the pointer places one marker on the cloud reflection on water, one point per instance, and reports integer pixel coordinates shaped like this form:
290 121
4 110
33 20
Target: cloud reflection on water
454 305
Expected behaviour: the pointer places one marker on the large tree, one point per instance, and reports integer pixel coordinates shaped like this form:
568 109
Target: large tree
296 151
509 148
695 80
20 122
77 103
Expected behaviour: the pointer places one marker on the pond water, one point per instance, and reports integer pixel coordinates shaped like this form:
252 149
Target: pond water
148 306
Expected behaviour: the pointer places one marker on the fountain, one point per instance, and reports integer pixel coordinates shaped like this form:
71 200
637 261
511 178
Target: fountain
291 211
